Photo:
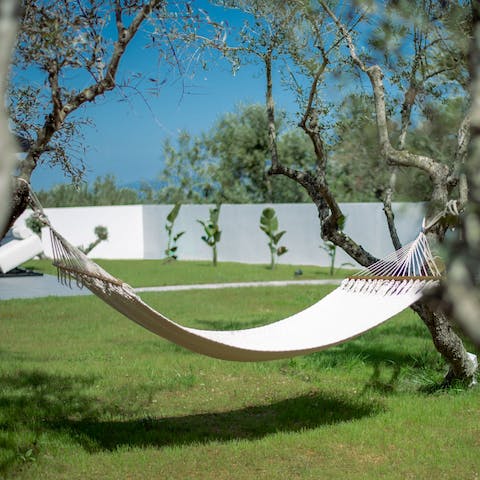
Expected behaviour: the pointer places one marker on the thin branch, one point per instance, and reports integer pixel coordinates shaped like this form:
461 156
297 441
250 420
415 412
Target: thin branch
349 30
88 94
435 170
53 71
313 92
272 134
388 210
118 19
411 93
345 35
461 154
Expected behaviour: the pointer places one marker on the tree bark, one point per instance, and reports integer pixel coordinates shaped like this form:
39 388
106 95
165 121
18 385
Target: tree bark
461 291
18 201
8 30
447 343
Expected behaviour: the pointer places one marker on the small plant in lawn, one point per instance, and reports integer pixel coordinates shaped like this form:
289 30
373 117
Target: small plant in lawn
212 232
171 250
101 234
269 224
331 250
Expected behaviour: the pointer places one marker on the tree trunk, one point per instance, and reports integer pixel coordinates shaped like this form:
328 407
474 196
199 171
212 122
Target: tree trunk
448 344
19 202
8 30
461 291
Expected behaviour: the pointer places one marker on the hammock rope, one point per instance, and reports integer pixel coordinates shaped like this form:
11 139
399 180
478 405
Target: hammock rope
362 302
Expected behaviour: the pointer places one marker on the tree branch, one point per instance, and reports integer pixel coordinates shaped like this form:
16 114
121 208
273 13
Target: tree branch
118 18
330 214
394 157
388 210
272 134
56 118
461 154
313 92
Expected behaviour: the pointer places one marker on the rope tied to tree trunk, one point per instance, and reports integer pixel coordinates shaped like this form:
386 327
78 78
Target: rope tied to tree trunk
412 266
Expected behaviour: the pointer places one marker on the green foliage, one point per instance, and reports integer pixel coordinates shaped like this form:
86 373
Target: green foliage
229 162
185 171
239 144
101 233
171 250
331 250
269 225
104 191
34 224
212 231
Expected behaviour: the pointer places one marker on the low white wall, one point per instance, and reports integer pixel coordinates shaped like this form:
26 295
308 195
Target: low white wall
138 231
124 224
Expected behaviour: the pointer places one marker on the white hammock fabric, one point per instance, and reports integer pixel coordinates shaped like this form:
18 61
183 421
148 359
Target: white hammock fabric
361 303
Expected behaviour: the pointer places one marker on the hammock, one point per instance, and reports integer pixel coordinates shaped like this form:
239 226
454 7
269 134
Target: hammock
359 304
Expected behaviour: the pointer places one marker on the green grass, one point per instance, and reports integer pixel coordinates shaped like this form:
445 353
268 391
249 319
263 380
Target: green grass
146 273
86 394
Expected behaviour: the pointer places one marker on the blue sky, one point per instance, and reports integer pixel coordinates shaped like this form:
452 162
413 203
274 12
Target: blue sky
126 139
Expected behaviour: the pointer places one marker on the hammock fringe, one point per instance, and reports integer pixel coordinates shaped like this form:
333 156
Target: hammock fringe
362 302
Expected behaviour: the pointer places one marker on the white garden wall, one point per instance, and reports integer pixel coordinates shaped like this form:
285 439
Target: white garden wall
138 231
125 229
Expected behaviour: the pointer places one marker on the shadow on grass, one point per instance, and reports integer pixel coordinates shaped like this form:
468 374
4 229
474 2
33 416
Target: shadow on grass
231 324
29 400
373 355
37 403
384 384
291 415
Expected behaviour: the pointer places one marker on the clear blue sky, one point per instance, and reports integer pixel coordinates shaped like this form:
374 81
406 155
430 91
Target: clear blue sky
126 139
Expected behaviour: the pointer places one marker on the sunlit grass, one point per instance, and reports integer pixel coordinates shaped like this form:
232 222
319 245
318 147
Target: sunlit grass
145 273
87 394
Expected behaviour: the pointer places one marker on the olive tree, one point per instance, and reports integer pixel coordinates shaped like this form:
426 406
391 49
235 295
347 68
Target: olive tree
461 291
420 49
86 41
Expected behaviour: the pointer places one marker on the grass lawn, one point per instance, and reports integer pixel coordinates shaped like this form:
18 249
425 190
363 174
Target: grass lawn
87 394
147 273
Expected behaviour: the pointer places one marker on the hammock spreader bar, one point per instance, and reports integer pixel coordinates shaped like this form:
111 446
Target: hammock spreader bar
359 304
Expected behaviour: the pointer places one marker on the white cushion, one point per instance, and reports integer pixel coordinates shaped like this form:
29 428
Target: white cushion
16 252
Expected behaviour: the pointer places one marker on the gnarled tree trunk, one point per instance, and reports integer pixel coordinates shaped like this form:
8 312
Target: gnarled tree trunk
8 29
447 343
18 202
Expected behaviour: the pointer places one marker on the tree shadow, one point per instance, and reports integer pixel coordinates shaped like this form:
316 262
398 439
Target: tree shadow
230 324
35 397
360 352
382 384
249 423
29 400
38 402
